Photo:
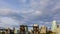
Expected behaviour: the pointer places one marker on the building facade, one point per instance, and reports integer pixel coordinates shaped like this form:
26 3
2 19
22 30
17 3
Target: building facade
43 30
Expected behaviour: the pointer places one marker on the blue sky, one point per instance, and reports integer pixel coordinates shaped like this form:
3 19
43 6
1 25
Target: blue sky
16 12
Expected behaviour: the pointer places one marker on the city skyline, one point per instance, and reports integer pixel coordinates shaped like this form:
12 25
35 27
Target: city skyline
13 13
23 29
54 25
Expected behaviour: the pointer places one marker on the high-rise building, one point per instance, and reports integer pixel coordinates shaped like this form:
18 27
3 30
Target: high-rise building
26 29
0 32
30 32
43 30
54 26
35 29
23 29
7 30
58 29
15 31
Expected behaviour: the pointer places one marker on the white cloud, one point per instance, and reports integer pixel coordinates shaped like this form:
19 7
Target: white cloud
23 1
56 6
39 4
4 4
8 22
38 8
7 11
44 3
37 13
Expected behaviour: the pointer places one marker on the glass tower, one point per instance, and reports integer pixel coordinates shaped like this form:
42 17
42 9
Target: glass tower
54 26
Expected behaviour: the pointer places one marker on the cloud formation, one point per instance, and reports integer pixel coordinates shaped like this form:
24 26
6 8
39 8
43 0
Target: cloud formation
42 12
